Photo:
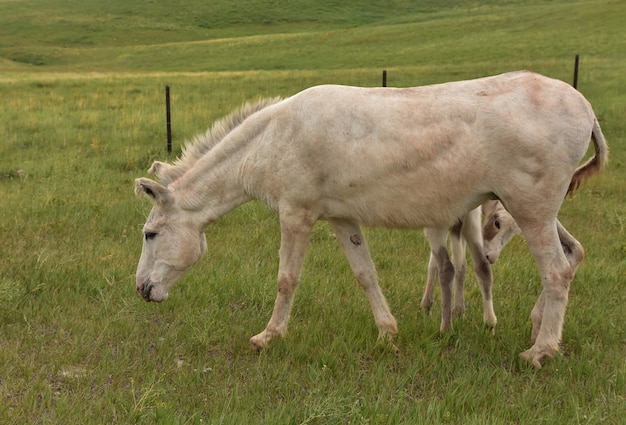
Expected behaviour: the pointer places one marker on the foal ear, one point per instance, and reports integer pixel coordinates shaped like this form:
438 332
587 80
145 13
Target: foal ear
158 193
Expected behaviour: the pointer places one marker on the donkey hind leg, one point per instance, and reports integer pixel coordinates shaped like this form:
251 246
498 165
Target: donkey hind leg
556 275
354 246
295 235
428 298
575 254
482 268
572 249
437 241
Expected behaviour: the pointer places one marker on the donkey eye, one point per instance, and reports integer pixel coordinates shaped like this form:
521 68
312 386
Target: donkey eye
150 235
495 223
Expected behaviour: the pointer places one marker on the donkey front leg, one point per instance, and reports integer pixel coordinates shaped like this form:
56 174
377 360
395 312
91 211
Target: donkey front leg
295 235
353 243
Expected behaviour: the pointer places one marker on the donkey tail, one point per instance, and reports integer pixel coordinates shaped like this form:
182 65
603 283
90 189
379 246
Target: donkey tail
595 164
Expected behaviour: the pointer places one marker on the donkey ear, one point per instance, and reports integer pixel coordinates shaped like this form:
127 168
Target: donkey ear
158 168
162 170
158 193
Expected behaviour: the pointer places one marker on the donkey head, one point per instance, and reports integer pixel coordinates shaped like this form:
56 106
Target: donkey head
498 229
172 242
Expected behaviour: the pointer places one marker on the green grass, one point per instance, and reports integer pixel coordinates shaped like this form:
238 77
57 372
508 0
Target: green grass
81 88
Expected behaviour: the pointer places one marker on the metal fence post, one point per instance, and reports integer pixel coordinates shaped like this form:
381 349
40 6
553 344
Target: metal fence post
168 119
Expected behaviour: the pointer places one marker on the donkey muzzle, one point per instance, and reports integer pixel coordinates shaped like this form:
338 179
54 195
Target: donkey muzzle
144 290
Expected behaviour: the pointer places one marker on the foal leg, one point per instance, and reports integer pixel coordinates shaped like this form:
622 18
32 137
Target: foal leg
354 246
482 268
457 248
556 275
433 274
437 240
295 235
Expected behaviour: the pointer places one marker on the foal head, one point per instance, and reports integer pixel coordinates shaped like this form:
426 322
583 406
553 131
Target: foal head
498 229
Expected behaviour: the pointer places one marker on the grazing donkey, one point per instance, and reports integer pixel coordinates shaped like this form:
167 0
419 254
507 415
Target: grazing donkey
401 158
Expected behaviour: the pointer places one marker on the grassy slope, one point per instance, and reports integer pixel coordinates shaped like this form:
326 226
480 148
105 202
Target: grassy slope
82 41
78 346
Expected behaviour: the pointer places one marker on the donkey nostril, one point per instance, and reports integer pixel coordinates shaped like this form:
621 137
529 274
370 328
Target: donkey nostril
145 290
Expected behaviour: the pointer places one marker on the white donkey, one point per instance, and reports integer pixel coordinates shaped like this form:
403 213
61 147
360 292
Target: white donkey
400 158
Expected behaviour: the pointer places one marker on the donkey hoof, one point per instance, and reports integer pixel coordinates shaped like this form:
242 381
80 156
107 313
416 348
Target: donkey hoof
490 321
258 342
531 357
534 355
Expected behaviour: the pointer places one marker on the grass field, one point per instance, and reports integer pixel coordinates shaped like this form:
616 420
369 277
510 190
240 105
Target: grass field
82 116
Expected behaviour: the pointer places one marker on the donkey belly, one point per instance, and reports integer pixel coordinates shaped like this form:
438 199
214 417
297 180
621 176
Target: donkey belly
412 203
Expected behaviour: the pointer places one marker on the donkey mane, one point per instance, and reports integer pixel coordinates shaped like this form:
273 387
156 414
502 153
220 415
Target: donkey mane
202 143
